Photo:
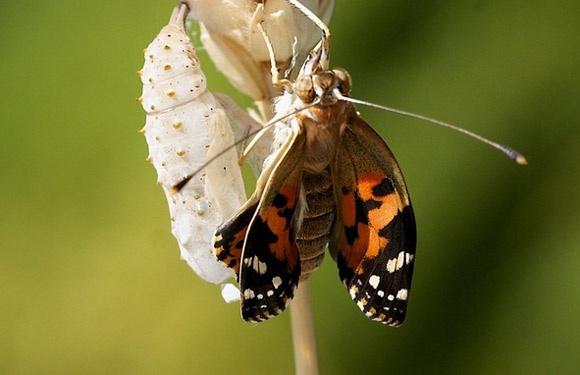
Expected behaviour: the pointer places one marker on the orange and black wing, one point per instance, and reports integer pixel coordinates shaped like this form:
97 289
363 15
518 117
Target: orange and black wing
259 242
374 236
230 236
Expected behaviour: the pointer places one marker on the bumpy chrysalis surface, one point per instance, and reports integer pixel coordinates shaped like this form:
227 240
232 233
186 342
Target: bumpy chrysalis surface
185 127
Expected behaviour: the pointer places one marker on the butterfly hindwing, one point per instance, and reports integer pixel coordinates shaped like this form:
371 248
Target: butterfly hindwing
374 237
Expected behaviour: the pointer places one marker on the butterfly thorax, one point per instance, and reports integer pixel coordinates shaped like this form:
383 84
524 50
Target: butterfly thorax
323 122
321 140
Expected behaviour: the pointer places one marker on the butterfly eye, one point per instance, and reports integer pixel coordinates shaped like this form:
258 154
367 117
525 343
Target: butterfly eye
304 88
344 81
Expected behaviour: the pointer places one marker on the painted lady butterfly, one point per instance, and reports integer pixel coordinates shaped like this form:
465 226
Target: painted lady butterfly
334 180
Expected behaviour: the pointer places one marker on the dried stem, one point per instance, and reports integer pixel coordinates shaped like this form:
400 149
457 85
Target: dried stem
305 356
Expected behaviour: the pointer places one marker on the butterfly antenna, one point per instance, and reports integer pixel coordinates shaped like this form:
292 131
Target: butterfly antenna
177 187
257 133
507 151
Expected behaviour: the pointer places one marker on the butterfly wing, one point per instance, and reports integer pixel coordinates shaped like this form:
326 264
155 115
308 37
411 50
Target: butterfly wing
374 237
229 238
271 262
259 241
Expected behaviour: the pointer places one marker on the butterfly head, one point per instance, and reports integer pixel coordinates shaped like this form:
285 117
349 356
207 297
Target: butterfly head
321 86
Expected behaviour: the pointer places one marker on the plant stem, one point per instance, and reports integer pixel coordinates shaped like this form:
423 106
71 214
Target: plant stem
305 356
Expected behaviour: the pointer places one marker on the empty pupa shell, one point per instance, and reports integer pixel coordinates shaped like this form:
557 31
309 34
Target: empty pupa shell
185 127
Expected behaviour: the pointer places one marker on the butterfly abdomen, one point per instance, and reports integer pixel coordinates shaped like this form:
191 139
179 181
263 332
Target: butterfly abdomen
322 134
314 232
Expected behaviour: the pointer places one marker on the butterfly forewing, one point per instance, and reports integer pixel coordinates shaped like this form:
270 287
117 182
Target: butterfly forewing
374 235
259 242
270 261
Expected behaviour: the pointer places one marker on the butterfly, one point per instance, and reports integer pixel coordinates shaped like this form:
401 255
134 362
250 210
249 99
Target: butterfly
331 180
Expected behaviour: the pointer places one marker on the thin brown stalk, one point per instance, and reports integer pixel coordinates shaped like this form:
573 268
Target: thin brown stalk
305 355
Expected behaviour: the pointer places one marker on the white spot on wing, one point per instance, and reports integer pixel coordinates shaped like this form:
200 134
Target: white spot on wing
249 293
391 264
276 281
401 260
374 281
402 294
352 293
395 264
258 266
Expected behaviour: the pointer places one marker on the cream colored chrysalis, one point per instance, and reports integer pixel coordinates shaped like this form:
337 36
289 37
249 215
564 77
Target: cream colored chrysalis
230 34
186 127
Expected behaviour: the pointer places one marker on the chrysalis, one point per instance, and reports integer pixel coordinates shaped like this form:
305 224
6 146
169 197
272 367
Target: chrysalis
185 128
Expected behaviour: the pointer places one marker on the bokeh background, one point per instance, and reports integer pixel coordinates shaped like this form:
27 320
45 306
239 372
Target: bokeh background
90 277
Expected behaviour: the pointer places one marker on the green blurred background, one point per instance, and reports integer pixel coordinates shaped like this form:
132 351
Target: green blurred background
91 280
